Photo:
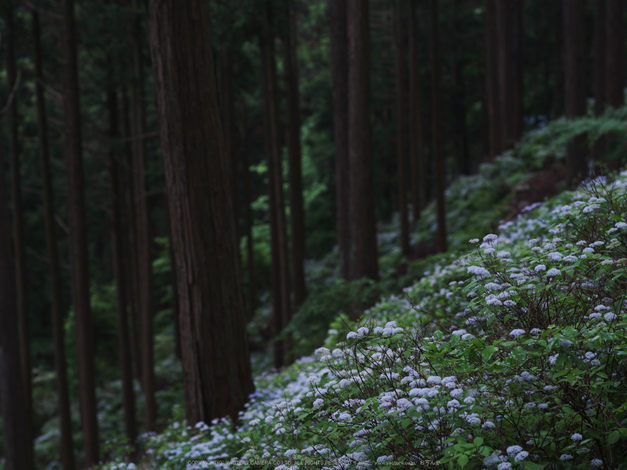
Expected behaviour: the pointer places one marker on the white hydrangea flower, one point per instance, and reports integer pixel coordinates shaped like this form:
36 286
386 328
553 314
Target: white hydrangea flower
565 457
554 272
322 352
596 462
514 450
555 256
576 437
517 332
490 238
539 268
609 316
520 456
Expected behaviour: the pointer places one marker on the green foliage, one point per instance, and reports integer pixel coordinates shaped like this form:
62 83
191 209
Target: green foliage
324 303
511 357
475 204
550 142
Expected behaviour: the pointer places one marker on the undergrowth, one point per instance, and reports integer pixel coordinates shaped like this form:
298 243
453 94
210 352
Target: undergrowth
510 357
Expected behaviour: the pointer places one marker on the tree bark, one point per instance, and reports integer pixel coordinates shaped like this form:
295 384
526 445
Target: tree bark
574 86
130 241
13 405
599 67
227 105
458 104
506 69
281 292
56 293
437 144
15 429
18 222
339 72
416 139
518 43
117 235
144 232
495 121
400 56
615 73
78 242
363 247
297 208
216 365
248 219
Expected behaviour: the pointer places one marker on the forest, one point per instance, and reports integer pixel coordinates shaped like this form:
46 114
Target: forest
313 234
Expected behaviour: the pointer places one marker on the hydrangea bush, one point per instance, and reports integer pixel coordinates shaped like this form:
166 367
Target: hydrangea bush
511 357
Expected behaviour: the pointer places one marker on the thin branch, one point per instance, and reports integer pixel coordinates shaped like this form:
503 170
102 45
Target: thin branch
32 252
62 224
4 110
42 11
58 96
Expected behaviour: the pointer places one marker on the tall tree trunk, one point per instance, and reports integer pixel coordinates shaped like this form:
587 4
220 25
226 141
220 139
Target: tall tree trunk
144 235
216 363
400 56
117 235
416 145
437 144
459 115
227 103
339 72
458 104
56 294
505 67
518 79
18 223
599 71
574 86
363 248
557 30
615 72
495 122
78 243
281 293
248 219
297 208
130 241
16 440
175 296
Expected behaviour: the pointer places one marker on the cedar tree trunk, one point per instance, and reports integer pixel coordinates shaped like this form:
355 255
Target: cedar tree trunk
216 363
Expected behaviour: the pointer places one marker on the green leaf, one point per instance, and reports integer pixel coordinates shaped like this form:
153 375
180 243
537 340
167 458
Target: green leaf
613 437
462 460
488 352
477 441
534 466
